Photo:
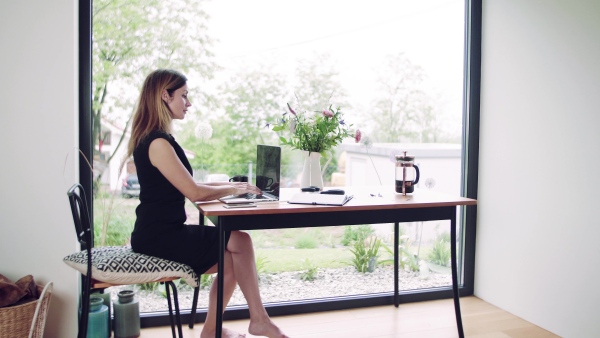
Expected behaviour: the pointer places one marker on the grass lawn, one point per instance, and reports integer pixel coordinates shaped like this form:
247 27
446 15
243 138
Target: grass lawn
277 250
280 260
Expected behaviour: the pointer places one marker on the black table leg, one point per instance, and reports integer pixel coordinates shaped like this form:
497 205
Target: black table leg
221 267
197 288
396 244
455 290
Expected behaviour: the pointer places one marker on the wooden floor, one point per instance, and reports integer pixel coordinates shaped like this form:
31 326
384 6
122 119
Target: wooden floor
430 319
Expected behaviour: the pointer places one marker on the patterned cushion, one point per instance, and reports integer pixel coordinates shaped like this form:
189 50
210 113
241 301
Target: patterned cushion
120 265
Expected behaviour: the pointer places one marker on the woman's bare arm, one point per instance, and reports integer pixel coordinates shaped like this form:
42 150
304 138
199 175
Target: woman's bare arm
163 157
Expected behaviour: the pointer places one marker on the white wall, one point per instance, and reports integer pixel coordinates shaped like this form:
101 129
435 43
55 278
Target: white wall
38 94
537 245
440 162
538 227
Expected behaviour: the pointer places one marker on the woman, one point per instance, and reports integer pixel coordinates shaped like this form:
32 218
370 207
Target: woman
165 178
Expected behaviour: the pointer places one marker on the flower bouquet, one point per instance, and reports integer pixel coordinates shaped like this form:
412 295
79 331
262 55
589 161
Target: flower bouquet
315 133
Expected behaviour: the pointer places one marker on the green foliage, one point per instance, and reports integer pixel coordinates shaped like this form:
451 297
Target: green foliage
206 281
356 232
393 112
149 286
282 260
440 252
130 38
261 263
314 131
306 241
247 99
162 290
364 251
406 259
319 82
261 267
309 272
113 221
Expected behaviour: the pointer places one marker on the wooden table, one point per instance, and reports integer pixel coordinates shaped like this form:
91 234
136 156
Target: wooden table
370 205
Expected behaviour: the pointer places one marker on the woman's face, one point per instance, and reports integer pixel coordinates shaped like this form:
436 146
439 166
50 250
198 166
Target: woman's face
179 103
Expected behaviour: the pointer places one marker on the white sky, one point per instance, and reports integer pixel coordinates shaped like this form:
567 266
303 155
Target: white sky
357 34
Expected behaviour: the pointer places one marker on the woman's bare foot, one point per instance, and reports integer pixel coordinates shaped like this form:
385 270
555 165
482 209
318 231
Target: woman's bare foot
267 329
225 333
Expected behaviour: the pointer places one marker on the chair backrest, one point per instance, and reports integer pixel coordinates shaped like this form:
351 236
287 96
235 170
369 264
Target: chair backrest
85 235
81 217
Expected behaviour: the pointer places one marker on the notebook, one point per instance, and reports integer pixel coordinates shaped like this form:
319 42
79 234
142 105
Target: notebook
319 199
268 171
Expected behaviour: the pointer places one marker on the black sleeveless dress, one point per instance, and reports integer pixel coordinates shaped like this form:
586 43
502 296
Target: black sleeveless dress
159 228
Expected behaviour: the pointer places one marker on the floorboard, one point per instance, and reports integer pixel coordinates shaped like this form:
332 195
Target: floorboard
431 319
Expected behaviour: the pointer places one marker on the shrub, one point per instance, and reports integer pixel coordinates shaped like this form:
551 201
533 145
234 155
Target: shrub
355 233
149 286
440 252
364 251
306 241
261 267
310 271
206 281
261 263
113 221
406 259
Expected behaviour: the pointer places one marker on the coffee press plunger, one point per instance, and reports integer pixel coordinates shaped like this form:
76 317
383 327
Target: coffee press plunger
404 178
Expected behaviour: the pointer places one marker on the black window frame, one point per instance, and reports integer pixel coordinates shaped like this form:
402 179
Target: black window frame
469 167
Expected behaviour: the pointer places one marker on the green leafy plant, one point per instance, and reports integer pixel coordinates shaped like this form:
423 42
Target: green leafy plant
206 281
261 268
113 218
261 263
356 232
149 286
440 252
310 271
315 131
406 259
366 252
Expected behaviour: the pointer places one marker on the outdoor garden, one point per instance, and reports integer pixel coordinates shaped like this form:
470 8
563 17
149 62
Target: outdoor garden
302 263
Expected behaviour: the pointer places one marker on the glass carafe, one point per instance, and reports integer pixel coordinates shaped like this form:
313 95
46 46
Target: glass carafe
407 174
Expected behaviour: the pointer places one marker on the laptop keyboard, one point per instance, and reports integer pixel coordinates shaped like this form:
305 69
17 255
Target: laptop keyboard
254 197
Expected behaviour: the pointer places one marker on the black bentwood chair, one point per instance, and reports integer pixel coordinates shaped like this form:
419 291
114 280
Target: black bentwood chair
114 266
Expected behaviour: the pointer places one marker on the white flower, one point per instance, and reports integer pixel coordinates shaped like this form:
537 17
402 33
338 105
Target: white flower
203 131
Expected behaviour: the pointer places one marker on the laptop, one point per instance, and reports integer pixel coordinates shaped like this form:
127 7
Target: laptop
268 171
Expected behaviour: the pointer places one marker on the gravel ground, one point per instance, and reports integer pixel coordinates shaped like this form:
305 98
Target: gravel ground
288 286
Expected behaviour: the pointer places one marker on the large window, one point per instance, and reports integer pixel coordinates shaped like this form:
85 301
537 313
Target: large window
395 68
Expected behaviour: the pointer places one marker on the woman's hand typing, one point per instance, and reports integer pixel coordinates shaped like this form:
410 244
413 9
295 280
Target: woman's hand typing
240 188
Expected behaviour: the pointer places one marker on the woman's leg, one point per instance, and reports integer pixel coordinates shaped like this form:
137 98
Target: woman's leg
229 283
244 268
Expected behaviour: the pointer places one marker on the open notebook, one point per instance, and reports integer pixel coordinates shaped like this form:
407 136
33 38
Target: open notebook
319 199
268 168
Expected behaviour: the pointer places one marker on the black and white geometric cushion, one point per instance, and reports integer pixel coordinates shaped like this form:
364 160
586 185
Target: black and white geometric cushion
120 265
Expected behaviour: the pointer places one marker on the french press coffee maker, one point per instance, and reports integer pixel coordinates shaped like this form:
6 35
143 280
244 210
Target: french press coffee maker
406 178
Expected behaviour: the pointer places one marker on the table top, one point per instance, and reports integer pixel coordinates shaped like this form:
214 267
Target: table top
365 198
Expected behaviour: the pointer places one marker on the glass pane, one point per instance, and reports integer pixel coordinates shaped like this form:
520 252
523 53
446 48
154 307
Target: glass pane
394 68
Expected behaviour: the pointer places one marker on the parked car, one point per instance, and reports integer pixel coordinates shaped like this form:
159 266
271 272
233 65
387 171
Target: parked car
131 186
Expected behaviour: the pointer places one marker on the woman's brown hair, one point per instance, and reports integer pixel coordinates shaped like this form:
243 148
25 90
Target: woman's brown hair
152 112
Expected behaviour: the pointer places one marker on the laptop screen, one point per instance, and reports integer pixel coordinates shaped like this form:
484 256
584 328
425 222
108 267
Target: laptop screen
268 167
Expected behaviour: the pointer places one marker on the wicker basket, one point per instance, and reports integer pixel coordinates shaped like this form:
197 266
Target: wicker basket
18 321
